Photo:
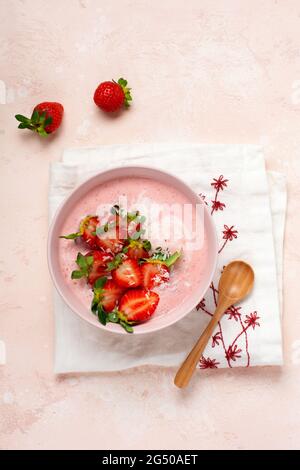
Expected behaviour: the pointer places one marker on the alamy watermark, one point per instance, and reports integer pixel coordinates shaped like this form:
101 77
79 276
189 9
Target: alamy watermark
175 223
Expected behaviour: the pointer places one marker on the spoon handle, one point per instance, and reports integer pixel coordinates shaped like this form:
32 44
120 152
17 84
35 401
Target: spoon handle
187 368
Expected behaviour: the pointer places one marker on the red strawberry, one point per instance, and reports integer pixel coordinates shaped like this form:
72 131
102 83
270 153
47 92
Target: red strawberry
111 294
87 231
88 228
93 265
154 274
110 245
99 266
128 274
138 305
108 235
106 296
138 249
111 96
45 119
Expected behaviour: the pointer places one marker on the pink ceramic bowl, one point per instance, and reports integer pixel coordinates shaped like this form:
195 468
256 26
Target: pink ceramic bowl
157 322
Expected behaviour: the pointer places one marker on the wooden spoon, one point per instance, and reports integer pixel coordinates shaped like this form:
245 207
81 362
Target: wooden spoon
235 283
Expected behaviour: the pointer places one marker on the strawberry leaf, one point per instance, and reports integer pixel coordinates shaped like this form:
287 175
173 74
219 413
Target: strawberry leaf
71 236
94 305
116 262
41 118
122 82
101 315
82 261
77 274
48 121
127 96
172 259
147 245
126 326
113 317
163 257
100 283
35 117
89 260
21 118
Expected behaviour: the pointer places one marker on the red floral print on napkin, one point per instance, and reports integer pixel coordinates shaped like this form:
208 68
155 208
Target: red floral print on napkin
232 352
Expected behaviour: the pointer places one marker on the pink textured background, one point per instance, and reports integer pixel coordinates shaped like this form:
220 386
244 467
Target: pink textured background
201 71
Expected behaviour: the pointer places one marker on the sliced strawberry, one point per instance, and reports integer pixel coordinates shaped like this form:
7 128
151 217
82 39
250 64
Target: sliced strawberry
111 295
106 297
110 245
108 235
138 249
154 274
92 266
128 274
87 230
99 266
138 305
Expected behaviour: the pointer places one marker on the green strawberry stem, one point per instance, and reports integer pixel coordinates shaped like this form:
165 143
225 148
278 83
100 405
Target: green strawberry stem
36 123
71 236
84 263
123 84
161 258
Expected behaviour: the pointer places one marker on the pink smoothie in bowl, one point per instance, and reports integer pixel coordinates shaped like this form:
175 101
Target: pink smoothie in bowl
175 218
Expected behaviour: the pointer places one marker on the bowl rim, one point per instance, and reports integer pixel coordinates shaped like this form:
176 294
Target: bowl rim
71 195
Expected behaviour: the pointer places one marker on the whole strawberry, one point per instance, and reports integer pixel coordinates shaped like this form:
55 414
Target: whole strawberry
111 96
45 119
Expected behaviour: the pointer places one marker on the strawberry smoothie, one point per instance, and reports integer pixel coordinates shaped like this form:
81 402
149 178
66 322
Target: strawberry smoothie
170 222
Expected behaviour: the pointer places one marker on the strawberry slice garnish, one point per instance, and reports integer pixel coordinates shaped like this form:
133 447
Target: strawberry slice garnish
108 235
100 265
106 296
87 231
128 274
154 274
156 270
138 249
93 265
138 305
110 245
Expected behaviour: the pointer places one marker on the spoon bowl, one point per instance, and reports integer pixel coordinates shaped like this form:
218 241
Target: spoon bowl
236 281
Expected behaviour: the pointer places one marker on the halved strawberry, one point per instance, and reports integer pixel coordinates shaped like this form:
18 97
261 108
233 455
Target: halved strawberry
108 235
100 265
87 230
138 249
154 274
106 294
105 300
156 269
128 274
138 305
93 265
110 245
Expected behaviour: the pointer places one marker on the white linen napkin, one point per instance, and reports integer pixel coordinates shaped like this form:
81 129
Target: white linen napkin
249 212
